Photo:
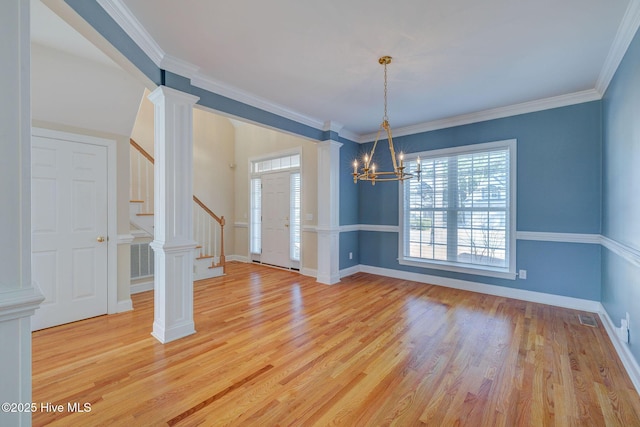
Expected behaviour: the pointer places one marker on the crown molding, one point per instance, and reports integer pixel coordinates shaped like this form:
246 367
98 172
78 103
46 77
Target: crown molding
351 136
332 126
495 113
121 14
178 66
215 86
626 31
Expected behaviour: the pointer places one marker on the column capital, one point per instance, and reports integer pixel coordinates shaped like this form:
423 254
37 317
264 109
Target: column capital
332 126
330 143
162 92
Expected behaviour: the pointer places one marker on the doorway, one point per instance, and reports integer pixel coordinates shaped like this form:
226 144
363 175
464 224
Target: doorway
275 211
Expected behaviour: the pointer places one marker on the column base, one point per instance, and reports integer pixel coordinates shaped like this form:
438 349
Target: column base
175 332
328 250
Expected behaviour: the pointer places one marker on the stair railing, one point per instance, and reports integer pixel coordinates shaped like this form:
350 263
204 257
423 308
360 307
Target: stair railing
205 223
141 173
206 232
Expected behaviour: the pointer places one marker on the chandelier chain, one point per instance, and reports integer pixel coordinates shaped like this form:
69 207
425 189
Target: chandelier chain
385 118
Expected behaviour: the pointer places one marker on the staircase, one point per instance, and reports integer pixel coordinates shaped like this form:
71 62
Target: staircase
208 229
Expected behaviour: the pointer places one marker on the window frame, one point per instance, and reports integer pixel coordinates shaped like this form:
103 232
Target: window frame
508 272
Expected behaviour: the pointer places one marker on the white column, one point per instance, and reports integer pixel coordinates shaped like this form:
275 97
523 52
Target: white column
18 298
173 242
328 212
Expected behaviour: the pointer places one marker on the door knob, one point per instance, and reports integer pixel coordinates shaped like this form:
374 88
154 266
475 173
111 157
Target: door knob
100 239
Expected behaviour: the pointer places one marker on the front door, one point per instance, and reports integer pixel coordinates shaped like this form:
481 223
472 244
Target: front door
275 219
69 229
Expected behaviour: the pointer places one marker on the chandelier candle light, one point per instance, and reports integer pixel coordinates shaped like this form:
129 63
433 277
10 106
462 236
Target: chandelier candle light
368 172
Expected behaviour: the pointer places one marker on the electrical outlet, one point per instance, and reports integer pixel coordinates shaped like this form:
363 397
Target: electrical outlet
522 274
350 255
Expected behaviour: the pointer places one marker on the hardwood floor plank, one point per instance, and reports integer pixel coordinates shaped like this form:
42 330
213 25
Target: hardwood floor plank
276 348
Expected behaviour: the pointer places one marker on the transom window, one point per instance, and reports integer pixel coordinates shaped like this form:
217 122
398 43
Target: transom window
278 163
461 215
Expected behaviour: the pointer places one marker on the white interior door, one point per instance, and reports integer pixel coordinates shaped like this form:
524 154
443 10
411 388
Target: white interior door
275 219
69 230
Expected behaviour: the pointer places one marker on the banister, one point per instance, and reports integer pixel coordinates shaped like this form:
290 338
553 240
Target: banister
219 220
141 150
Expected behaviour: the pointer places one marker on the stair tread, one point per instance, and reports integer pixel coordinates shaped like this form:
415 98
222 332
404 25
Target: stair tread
144 214
136 201
204 256
215 266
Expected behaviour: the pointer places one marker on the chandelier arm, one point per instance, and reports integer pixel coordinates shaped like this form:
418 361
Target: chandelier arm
393 152
373 150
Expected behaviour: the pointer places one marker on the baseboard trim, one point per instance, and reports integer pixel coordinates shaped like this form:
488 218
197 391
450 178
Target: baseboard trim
622 348
501 291
310 272
349 271
238 258
141 287
126 305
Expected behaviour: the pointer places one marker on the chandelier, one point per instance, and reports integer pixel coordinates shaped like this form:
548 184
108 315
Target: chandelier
368 171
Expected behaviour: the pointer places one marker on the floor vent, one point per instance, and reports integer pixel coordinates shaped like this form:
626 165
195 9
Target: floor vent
587 319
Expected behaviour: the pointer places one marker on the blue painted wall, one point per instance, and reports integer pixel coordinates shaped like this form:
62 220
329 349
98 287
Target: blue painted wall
621 193
558 190
559 168
349 212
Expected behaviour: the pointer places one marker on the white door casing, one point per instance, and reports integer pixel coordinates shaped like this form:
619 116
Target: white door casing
275 219
71 225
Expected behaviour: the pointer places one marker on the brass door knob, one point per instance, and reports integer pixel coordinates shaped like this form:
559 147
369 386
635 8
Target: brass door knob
100 239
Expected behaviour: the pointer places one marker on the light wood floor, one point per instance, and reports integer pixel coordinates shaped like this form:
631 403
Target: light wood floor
276 348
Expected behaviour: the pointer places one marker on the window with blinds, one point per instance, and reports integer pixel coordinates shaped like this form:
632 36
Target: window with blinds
461 215
295 217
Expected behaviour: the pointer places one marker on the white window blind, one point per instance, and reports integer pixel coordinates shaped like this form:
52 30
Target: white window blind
256 216
295 217
460 213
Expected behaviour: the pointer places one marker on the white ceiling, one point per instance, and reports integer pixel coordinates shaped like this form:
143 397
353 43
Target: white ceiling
49 30
318 59
69 76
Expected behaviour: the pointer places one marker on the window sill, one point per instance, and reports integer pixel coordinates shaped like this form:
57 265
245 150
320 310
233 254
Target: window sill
499 273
